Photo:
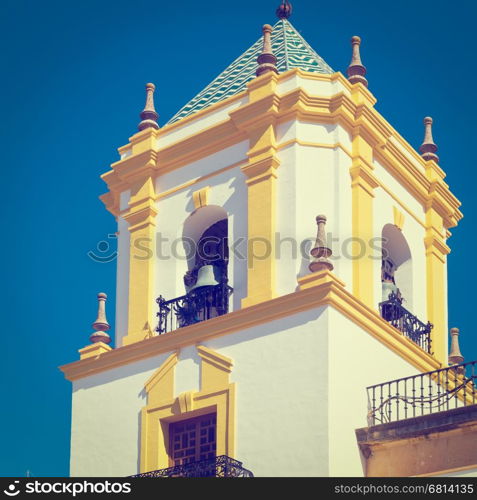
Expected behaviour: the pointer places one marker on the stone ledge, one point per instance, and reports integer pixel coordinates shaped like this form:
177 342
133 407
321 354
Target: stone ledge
418 426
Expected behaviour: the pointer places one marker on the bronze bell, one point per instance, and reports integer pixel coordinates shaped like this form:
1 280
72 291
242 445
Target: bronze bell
388 288
207 275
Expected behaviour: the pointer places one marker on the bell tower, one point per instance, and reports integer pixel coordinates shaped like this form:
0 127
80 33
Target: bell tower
276 233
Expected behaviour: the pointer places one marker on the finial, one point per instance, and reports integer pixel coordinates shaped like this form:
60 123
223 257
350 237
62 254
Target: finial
455 356
320 251
284 10
428 148
101 324
148 114
266 60
356 70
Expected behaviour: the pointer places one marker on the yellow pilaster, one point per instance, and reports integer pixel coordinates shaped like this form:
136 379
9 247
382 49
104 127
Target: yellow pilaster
436 251
258 119
363 184
141 218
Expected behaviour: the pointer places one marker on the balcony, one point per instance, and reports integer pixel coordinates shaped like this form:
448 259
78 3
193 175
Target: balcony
398 316
423 394
422 425
200 304
222 466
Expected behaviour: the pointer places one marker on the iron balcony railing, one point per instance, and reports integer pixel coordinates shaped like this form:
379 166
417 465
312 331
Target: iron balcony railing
198 305
395 313
423 394
222 466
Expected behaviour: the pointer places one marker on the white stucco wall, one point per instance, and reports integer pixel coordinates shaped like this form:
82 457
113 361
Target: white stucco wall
313 178
122 272
356 361
106 418
280 369
122 281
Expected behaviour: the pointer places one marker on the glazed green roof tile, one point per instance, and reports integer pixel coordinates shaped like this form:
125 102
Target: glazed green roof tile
291 50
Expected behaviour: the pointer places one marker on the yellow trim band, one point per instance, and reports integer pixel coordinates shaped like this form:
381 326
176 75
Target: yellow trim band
316 290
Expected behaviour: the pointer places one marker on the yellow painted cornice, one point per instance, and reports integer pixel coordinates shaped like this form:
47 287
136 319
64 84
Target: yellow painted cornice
261 168
204 143
216 359
317 290
142 209
256 114
262 86
436 246
136 166
363 177
444 203
111 202
198 115
159 374
143 141
352 108
94 350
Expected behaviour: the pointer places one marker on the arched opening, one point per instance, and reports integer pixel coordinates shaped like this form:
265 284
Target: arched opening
397 279
207 292
205 238
396 270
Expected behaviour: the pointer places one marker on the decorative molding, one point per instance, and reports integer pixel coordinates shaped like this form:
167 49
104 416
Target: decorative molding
363 184
355 112
216 395
214 358
200 197
94 350
186 401
398 218
328 290
157 383
141 217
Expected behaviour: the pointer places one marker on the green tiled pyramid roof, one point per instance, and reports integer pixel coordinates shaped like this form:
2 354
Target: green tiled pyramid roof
291 50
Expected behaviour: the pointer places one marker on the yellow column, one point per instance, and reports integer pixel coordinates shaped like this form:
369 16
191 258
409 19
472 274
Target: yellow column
436 251
257 119
261 185
363 183
142 227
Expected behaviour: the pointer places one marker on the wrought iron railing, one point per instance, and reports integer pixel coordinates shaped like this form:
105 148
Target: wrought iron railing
423 394
198 305
222 466
395 313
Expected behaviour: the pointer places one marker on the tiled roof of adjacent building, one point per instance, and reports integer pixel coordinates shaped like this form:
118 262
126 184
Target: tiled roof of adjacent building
291 50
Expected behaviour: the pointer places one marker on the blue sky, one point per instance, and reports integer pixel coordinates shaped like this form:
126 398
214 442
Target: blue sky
72 87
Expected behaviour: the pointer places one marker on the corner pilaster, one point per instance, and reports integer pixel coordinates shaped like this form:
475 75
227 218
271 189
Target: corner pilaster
141 216
363 183
257 119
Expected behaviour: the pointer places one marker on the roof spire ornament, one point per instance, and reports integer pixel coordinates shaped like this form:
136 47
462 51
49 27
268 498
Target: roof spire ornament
428 147
455 356
148 114
284 10
356 70
320 251
266 60
101 324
